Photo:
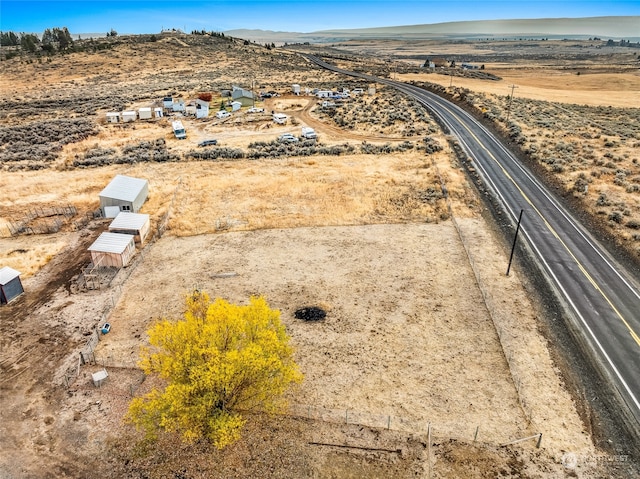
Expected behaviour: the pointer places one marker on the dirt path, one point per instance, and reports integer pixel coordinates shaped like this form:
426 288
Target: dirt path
39 331
333 132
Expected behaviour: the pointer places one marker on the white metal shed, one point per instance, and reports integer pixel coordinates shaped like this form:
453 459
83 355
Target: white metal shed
113 117
129 115
144 113
126 192
112 249
10 285
136 224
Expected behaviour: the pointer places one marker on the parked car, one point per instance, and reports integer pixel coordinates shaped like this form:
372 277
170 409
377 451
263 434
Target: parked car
106 327
288 137
223 114
255 109
208 143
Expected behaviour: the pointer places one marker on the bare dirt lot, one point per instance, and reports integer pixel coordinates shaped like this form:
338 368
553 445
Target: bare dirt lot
429 360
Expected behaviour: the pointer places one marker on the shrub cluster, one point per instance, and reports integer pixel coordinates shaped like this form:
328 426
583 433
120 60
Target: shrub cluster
38 143
143 151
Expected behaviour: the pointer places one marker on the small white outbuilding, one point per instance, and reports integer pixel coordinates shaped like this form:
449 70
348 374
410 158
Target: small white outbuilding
112 249
125 193
136 224
158 112
129 115
113 117
10 285
144 113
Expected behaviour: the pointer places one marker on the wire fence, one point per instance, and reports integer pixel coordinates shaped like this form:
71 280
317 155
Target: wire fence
87 353
504 337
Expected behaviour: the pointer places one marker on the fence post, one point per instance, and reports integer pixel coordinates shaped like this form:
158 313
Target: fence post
475 436
539 441
346 416
388 422
429 448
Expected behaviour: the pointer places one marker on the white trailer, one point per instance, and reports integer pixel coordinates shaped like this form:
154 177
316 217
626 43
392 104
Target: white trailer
178 130
280 118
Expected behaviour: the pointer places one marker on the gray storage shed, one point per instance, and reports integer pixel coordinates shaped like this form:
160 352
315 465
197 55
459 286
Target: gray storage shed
10 285
136 224
125 192
112 249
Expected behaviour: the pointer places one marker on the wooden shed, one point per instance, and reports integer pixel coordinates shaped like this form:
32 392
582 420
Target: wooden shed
125 192
10 285
135 224
112 249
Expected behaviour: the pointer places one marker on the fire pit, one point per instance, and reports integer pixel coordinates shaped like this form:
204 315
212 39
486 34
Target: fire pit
310 313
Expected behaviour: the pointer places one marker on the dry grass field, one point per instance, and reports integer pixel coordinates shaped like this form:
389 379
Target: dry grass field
424 332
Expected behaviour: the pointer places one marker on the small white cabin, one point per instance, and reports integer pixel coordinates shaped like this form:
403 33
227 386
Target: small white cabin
178 105
325 94
158 112
144 113
280 118
202 108
130 115
167 102
235 105
295 88
113 117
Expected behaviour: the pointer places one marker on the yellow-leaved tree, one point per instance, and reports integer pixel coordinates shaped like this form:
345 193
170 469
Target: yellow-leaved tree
219 361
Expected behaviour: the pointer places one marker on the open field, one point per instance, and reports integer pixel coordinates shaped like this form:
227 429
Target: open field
423 329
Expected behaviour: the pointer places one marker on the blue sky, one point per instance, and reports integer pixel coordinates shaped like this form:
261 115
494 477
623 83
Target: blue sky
150 16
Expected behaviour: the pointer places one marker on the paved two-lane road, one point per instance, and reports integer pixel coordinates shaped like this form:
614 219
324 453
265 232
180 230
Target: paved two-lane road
600 295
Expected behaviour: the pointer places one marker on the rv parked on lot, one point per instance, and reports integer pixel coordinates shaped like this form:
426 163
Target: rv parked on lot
178 130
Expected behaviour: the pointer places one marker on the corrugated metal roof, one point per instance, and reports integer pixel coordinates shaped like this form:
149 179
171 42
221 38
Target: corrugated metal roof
129 221
124 188
8 274
111 243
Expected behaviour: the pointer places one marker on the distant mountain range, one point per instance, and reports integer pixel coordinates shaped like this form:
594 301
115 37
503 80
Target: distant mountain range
616 28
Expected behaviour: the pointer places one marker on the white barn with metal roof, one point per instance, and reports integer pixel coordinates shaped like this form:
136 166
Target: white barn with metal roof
112 249
10 285
125 192
136 224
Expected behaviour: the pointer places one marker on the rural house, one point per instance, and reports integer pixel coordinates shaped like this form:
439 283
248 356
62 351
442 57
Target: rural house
135 224
10 285
243 96
123 193
202 109
112 249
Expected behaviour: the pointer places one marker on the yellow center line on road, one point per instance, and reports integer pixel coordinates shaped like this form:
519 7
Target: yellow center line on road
634 335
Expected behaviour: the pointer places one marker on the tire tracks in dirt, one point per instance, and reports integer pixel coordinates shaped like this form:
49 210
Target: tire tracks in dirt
332 131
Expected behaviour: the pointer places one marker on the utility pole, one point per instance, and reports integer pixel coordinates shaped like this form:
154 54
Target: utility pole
513 87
